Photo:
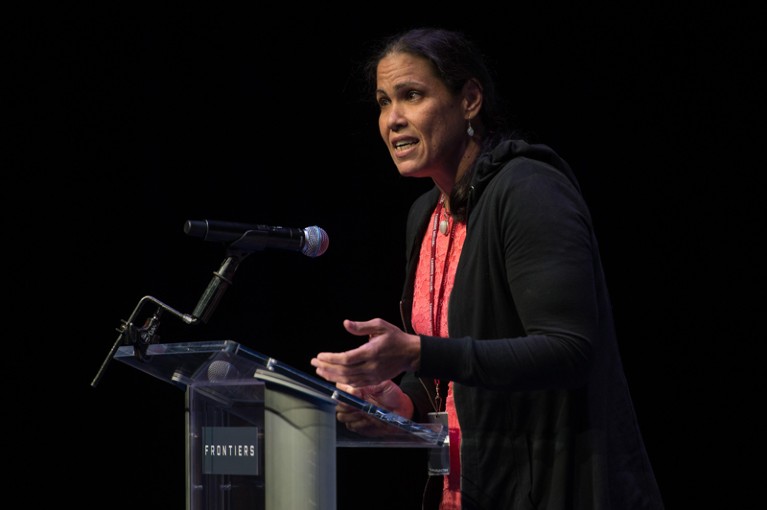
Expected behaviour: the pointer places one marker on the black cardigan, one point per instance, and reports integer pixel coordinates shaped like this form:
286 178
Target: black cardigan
546 416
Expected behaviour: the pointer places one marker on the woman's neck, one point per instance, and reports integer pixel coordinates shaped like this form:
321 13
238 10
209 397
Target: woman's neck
447 180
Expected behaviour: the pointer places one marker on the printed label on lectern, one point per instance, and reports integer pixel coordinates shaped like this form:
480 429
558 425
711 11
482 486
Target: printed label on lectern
230 451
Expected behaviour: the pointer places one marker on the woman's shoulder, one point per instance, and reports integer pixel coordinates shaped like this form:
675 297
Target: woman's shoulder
516 159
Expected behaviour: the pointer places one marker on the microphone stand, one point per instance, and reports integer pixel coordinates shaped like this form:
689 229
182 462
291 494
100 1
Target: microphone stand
141 338
221 281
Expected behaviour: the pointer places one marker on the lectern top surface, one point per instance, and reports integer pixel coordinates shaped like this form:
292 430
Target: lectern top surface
225 362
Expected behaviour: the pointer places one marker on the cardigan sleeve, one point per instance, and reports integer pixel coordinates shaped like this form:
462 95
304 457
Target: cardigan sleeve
525 308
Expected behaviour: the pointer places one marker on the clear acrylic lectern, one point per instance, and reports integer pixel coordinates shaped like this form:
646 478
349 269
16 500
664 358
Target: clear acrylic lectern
261 435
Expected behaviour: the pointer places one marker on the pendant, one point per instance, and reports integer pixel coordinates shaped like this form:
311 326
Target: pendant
443 224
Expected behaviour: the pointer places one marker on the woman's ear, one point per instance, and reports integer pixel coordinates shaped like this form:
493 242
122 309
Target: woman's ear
472 98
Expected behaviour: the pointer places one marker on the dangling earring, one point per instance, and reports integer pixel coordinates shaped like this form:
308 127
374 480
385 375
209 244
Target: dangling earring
470 130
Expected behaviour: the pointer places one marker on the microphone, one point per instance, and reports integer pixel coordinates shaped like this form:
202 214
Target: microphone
230 383
311 241
220 370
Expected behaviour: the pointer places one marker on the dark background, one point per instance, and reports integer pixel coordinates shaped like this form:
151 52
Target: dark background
126 122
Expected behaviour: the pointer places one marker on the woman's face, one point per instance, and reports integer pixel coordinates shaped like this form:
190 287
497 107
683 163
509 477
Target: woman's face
420 120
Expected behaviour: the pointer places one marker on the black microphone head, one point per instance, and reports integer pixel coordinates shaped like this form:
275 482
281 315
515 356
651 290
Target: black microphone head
316 241
220 370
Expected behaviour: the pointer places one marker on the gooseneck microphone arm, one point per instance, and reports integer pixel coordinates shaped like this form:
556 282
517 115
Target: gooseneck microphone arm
141 337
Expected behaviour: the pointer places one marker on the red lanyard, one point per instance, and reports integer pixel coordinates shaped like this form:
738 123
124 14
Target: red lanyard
436 321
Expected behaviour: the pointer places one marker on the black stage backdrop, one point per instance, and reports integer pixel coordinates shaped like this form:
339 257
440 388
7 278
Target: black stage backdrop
126 122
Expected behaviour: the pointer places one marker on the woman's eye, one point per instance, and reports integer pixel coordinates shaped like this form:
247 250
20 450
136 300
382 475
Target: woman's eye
413 94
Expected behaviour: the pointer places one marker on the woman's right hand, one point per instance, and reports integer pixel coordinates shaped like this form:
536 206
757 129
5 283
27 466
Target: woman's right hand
386 395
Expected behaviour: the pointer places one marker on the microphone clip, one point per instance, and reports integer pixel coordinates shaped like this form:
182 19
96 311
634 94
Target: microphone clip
141 338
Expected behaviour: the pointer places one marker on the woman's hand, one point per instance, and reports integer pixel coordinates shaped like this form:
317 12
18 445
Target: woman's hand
386 395
388 352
